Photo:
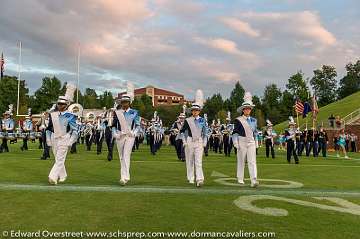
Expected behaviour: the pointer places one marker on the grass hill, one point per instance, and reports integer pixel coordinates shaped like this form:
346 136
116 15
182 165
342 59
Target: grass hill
341 107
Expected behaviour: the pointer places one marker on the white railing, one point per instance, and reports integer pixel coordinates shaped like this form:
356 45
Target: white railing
353 116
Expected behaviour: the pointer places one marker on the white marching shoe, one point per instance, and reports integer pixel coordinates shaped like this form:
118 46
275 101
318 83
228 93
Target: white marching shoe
61 180
122 182
241 182
52 181
254 184
192 181
199 183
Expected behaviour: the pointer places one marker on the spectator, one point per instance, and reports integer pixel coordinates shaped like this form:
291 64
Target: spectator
353 139
331 121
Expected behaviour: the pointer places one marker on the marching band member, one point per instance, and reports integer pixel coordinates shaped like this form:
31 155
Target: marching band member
244 135
217 137
44 123
100 131
89 130
226 131
208 136
299 142
290 135
61 133
109 139
156 134
125 128
8 125
27 129
269 135
323 141
194 134
175 129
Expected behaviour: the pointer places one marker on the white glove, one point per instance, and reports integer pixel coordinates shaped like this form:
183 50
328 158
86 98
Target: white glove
49 139
131 134
184 143
116 135
73 139
236 145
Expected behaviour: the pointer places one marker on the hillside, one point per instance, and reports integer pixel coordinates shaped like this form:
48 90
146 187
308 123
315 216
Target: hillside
342 108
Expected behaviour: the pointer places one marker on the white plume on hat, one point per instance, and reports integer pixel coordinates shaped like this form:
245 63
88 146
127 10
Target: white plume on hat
10 110
291 120
130 90
69 94
29 113
53 107
199 100
268 123
247 102
70 91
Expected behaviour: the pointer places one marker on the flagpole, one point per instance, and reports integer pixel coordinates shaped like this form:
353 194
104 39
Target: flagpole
297 119
19 76
78 74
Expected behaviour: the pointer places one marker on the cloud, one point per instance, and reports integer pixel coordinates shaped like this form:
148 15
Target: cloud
304 26
240 26
177 45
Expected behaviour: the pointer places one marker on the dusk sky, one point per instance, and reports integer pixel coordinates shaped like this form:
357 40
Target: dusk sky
178 45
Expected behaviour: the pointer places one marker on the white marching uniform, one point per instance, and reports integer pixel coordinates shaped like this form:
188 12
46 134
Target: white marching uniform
61 133
244 140
126 126
194 140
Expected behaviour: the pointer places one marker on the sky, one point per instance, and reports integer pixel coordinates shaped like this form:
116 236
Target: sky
179 45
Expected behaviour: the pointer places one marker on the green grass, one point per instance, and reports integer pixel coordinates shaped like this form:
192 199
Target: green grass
342 108
210 208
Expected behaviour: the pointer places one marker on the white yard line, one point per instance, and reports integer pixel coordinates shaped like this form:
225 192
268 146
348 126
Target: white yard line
175 190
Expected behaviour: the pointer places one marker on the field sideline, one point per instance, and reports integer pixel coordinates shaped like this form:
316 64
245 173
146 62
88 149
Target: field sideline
306 203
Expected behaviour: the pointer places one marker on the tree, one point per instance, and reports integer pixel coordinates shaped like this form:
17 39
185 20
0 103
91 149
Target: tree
271 102
168 114
222 114
350 83
236 97
297 86
47 94
91 99
144 105
324 84
286 105
8 94
213 105
106 100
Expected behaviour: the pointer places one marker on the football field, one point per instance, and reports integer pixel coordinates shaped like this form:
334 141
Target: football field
319 198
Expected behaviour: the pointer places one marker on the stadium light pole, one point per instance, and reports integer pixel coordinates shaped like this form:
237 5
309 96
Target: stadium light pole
78 74
19 75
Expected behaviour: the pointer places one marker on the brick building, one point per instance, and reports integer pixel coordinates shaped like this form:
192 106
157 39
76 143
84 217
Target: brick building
159 96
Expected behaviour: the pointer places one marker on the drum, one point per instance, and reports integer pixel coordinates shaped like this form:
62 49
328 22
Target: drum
32 135
38 135
10 136
21 135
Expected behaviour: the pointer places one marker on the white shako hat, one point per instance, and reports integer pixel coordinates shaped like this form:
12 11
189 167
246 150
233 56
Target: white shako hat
247 102
291 121
199 101
69 94
129 95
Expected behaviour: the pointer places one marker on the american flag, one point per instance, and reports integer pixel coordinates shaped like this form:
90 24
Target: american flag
299 107
2 63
